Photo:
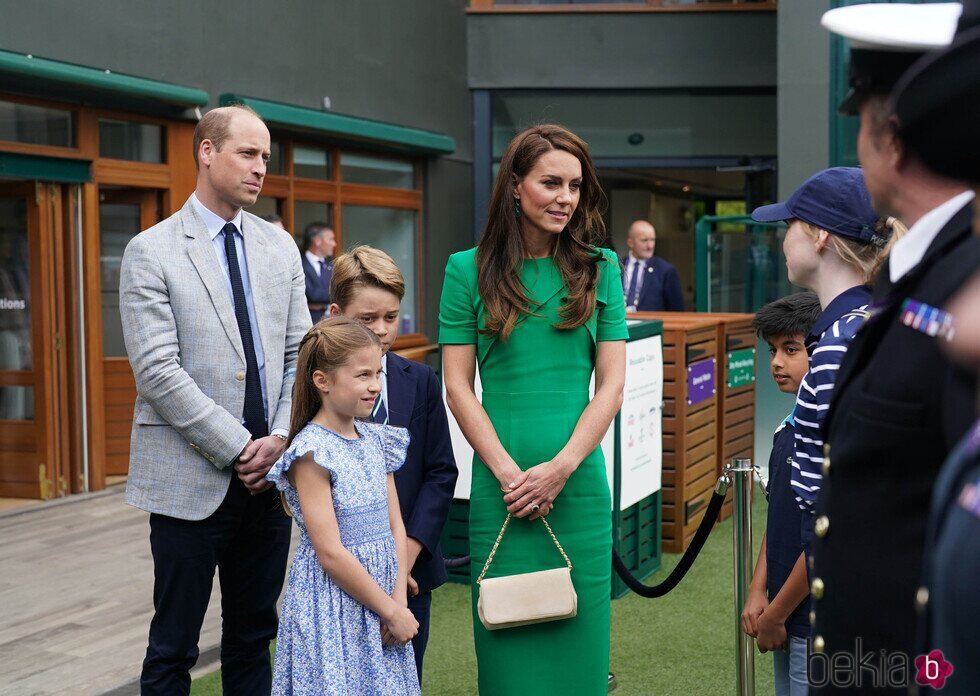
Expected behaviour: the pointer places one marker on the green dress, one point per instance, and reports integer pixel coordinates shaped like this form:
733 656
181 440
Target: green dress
535 387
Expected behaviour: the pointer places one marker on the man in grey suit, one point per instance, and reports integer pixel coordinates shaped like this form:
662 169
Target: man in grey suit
213 308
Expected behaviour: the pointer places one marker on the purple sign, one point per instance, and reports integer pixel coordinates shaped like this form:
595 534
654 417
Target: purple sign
700 381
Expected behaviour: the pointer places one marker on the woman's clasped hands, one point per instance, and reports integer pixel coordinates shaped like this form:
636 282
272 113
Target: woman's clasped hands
533 492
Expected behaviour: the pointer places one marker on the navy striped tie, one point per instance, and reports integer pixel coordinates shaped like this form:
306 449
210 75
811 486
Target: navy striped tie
254 410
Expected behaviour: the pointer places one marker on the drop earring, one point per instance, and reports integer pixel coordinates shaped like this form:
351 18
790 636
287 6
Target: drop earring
517 208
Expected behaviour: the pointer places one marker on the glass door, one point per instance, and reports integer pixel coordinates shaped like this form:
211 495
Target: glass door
123 213
33 383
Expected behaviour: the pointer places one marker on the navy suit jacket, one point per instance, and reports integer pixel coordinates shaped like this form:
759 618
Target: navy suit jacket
661 290
317 291
427 480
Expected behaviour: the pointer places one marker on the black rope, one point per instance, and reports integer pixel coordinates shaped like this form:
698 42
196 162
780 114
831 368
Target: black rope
687 560
456 562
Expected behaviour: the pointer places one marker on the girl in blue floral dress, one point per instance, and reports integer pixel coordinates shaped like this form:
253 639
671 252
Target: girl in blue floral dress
345 626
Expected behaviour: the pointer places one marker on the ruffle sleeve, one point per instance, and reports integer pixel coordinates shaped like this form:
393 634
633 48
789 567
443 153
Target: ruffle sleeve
299 448
394 445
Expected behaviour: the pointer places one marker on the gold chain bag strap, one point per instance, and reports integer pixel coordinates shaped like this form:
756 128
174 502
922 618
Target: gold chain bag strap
526 598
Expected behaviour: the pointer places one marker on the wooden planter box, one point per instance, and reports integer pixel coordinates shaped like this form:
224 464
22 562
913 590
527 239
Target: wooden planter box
736 402
690 423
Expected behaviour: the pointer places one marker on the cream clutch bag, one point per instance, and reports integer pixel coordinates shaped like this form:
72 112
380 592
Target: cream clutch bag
526 598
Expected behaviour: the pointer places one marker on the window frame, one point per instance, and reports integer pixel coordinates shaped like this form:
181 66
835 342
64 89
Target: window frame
332 191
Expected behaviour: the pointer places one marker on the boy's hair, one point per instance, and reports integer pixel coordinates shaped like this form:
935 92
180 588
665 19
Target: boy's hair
793 315
364 266
326 347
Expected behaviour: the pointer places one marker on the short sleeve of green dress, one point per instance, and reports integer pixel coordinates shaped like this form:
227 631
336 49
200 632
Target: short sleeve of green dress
535 387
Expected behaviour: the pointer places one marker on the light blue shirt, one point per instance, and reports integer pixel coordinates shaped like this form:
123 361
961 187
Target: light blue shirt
214 224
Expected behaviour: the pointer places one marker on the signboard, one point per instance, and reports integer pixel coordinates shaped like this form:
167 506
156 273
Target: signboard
700 381
741 367
641 421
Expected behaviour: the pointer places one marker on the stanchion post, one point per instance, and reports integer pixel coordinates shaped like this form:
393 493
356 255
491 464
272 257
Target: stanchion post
742 473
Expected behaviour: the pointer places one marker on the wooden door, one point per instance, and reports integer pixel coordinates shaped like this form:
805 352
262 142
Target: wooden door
123 213
34 379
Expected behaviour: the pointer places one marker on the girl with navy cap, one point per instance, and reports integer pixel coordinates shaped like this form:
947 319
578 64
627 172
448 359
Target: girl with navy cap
834 246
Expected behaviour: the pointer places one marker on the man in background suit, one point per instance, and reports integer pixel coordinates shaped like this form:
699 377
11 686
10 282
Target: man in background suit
213 312
650 284
319 243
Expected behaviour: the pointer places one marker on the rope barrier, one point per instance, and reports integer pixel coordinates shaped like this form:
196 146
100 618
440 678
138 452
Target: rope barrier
687 560
676 575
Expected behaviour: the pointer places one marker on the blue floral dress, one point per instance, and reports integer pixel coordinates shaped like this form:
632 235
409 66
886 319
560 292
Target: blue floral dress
328 642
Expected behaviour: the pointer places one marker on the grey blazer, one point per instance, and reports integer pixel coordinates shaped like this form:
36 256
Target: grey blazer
186 352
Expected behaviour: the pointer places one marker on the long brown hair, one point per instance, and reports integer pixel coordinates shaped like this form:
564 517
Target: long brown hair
326 347
501 249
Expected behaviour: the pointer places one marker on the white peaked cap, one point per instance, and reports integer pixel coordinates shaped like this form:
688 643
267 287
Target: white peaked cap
895 26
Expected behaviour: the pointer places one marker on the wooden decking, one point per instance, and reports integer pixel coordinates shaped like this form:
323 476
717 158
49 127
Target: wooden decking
76 580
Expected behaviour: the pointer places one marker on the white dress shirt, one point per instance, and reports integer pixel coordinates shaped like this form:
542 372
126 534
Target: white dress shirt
631 262
909 250
314 261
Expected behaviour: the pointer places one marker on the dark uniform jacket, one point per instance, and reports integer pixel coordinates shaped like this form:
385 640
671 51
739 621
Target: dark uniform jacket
899 407
950 600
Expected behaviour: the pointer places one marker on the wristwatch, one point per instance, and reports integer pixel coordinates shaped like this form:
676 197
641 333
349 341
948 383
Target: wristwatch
281 437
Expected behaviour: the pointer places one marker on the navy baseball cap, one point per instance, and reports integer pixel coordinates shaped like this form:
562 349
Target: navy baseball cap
835 200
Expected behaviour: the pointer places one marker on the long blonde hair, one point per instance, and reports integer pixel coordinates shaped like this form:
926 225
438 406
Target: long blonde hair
326 347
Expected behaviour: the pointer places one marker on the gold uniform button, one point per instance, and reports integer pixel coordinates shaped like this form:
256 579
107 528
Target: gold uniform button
826 467
826 449
240 376
822 526
922 598
813 618
819 645
817 588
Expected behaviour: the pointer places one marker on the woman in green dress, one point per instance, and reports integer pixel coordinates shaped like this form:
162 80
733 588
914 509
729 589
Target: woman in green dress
538 308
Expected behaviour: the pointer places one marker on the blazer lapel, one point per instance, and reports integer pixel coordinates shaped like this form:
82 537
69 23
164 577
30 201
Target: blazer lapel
401 391
208 265
259 276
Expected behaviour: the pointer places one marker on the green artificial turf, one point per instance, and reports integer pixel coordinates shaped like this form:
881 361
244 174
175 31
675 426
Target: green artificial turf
679 645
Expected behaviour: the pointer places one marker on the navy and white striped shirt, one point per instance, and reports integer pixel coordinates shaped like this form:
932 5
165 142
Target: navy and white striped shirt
826 345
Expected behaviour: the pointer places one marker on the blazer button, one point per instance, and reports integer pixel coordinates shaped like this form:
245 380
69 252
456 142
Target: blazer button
819 645
240 376
817 588
922 598
826 467
821 526
813 618
826 449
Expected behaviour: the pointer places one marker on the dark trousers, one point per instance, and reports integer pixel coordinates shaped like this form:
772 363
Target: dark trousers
247 540
420 606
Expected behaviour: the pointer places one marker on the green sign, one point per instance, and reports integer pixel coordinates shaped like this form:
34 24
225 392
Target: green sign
741 367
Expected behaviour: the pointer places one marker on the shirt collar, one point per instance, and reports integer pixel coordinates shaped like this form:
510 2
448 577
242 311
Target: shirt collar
313 259
630 259
908 251
850 299
384 363
212 221
789 420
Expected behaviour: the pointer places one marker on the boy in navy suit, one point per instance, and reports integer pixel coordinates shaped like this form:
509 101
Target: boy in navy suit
368 286
776 608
